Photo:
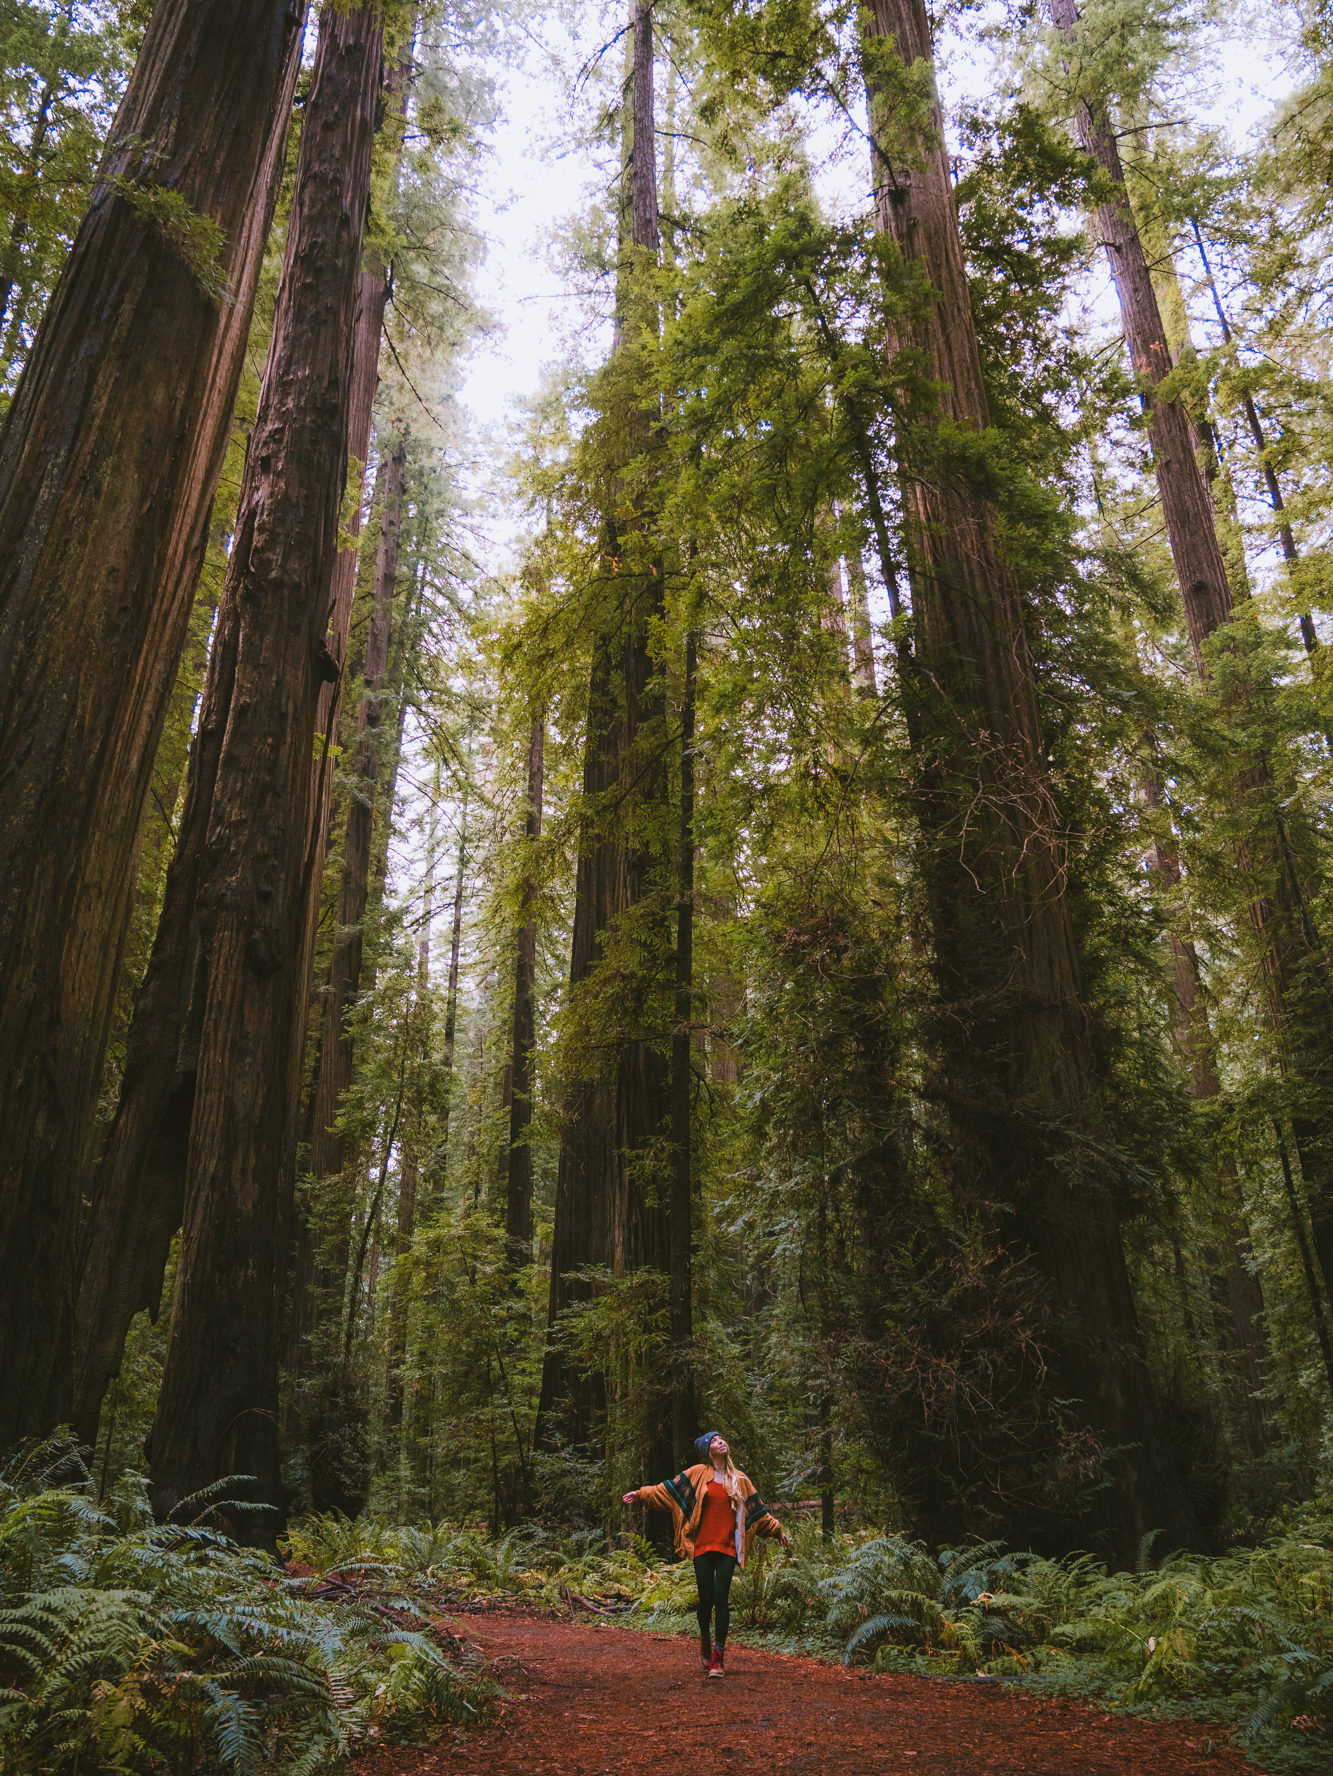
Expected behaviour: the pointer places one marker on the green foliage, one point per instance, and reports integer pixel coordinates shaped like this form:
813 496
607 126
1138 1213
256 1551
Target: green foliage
1245 1640
62 71
141 1648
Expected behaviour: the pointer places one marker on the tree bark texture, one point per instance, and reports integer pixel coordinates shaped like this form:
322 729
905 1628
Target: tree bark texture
109 458
681 1309
138 1189
1294 961
1014 1030
328 1145
259 870
371 304
517 1171
609 1208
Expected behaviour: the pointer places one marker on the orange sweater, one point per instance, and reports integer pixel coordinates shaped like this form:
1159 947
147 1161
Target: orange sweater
684 1498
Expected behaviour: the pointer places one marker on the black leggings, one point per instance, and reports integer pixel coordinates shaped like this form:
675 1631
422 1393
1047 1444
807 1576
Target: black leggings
712 1574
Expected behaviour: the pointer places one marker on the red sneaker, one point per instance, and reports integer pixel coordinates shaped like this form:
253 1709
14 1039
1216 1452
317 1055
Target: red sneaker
716 1668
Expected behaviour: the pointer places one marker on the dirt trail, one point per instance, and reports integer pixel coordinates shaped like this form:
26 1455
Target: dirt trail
588 1700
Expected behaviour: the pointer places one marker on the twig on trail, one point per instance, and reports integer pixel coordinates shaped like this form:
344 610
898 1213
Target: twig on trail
573 1597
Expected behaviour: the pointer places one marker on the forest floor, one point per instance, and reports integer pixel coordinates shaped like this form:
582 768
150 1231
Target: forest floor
587 1700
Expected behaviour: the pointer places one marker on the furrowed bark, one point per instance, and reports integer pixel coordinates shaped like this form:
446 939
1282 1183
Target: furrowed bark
516 1174
328 1145
1013 1026
333 1067
259 869
681 1310
371 305
138 1189
109 458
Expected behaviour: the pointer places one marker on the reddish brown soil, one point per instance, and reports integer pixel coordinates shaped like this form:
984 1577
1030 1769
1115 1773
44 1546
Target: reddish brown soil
586 1700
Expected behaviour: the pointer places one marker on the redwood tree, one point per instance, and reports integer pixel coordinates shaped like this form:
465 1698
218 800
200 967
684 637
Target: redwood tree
138 1187
251 846
609 1211
109 458
515 1154
1021 1077
1294 960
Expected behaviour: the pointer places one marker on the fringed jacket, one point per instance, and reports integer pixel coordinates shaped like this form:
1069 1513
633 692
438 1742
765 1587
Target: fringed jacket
684 1498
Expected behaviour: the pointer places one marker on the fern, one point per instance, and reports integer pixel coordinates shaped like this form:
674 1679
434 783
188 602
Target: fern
138 1648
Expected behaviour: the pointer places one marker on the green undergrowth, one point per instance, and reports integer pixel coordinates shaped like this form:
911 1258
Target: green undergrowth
146 1649
126 1646
1242 1643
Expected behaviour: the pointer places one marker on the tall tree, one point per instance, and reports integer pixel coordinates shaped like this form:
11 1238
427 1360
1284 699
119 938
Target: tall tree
608 1212
371 306
515 1153
680 1313
246 874
1293 958
108 462
328 1146
138 1188
1015 1034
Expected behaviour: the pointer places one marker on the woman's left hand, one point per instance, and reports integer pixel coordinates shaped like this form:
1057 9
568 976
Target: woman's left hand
784 1538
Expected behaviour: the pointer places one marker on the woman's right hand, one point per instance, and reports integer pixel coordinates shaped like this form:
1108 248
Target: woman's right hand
630 1498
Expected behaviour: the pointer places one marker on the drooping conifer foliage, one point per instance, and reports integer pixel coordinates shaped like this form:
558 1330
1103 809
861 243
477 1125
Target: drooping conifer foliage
788 888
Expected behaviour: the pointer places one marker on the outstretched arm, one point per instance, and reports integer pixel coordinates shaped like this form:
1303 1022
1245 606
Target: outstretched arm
655 1496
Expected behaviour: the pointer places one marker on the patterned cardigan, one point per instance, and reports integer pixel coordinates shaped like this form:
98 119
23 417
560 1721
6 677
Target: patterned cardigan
684 1498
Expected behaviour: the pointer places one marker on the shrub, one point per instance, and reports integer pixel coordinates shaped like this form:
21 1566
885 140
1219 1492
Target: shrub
147 1649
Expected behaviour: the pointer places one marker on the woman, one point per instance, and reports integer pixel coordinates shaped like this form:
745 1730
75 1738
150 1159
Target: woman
717 1514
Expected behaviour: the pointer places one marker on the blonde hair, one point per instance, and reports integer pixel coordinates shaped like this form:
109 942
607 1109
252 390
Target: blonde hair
730 1476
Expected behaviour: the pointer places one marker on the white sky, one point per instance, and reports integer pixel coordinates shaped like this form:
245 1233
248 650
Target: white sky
531 179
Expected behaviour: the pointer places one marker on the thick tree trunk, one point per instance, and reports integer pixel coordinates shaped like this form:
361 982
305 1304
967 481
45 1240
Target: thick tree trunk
110 454
516 1171
681 1310
1014 1030
1294 960
606 1211
258 875
305 1289
328 1144
139 1186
